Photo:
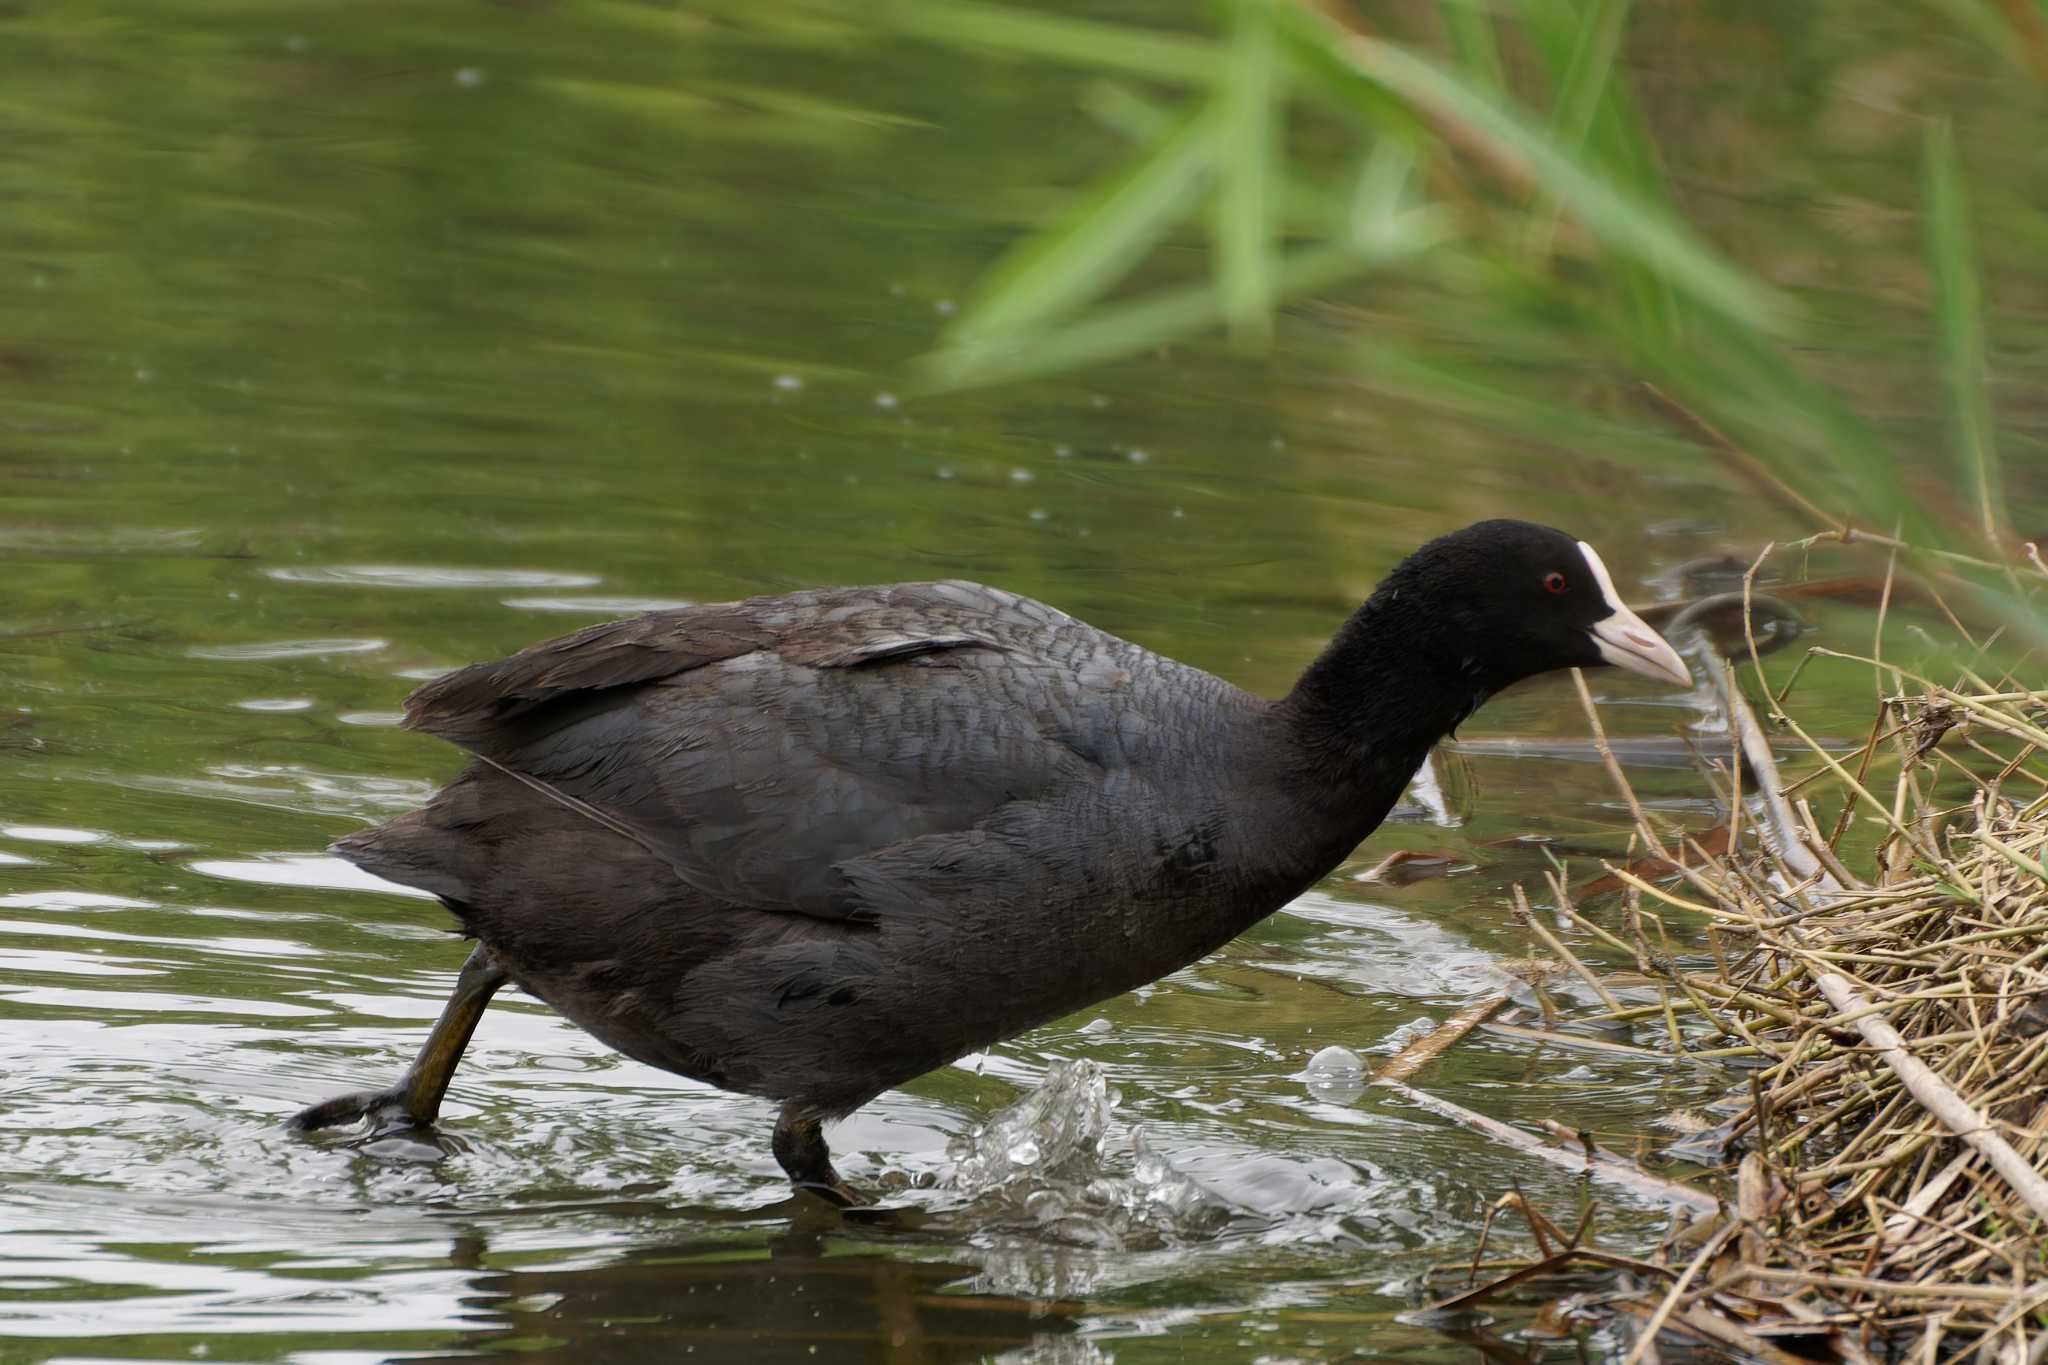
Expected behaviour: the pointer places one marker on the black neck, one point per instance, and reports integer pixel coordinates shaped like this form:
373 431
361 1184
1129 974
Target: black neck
1364 715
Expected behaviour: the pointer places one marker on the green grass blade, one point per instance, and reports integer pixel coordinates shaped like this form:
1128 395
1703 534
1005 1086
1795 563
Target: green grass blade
1593 115
1475 385
1582 89
1248 111
1127 329
1113 227
1470 25
1124 48
1620 218
1804 431
1959 319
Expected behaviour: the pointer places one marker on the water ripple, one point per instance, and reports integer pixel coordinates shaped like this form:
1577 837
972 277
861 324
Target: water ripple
429 576
302 869
285 649
599 606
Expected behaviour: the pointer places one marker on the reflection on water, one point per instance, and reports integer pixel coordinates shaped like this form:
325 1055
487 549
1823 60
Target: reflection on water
778 1303
341 354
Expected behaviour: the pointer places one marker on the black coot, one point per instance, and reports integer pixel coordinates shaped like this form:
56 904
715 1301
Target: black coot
811 846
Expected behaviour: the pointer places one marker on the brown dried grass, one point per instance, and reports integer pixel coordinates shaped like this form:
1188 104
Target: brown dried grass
1889 1201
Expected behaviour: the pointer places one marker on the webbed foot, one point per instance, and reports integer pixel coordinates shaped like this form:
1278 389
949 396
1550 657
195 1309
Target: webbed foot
411 1106
385 1110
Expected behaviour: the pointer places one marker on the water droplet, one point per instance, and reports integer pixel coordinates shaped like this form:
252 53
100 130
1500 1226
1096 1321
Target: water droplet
790 382
1024 1151
885 400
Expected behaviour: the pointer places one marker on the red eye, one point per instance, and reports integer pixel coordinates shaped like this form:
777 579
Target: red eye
1554 581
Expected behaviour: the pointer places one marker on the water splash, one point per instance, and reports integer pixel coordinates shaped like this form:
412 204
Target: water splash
1051 1160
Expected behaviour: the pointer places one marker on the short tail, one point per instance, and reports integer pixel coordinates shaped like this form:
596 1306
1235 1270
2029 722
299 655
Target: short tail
434 848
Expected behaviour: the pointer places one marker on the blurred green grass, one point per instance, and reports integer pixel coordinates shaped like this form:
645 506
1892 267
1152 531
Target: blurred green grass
1501 155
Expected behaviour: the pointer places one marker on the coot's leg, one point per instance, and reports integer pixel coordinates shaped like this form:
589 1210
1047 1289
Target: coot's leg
416 1099
800 1147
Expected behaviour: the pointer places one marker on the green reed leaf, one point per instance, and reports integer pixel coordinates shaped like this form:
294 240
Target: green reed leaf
1124 48
1959 323
1111 229
1619 217
1249 113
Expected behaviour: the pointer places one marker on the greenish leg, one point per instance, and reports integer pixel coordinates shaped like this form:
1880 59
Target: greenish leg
806 1160
416 1099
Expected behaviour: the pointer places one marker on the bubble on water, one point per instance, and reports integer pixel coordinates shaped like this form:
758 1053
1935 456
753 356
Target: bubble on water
1336 1074
1024 1152
1021 476
1334 1060
885 401
789 382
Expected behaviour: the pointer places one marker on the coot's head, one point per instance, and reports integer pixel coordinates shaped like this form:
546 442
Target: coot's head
1515 599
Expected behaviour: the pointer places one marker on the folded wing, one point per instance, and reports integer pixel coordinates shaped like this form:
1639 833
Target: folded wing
778 754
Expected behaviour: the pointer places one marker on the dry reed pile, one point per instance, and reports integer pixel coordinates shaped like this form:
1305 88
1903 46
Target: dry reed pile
1890 1143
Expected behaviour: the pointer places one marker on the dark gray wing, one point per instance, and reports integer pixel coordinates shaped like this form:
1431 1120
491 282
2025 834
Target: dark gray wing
769 750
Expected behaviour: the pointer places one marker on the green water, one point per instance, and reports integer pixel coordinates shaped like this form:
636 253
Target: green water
342 345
